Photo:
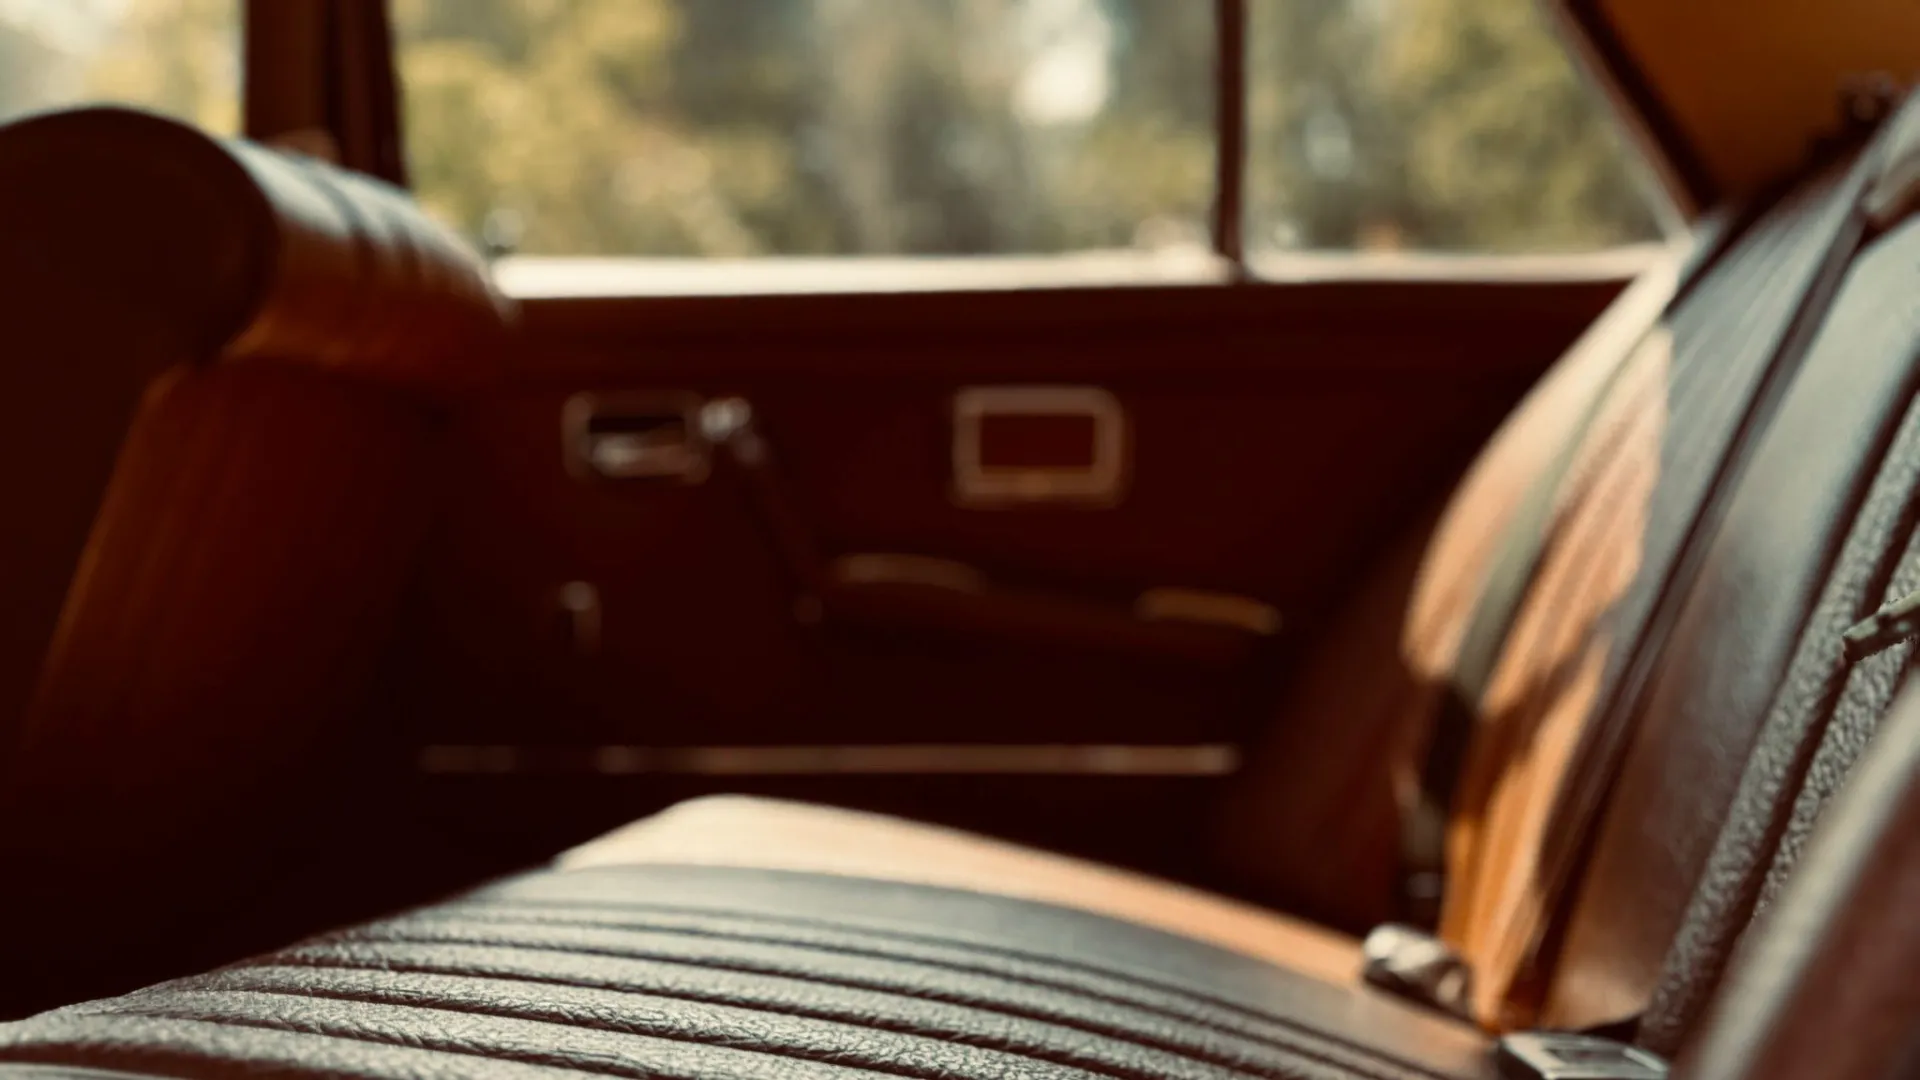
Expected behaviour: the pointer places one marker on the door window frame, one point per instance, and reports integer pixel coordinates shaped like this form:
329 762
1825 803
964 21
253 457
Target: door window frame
328 67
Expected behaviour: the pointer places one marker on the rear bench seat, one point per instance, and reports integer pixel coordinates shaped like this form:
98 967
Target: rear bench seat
1743 496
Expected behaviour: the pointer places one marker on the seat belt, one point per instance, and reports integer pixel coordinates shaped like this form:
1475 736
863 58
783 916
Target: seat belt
1882 117
1887 201
1440 978
1422 881
1515 565
1407 959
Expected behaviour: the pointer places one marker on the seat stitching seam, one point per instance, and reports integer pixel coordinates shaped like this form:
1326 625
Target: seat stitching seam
1196 1054
1141 980
1319 1045
162 1011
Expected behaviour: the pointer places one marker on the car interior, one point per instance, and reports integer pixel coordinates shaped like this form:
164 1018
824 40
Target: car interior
450 633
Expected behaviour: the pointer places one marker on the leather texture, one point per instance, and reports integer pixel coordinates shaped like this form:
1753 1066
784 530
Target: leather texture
1724 652
666 969
1627 515
1826 988
221 636
131 244
1825 710
1545 685
251 253
1736 345
1314 819
781 835
675 971
216 416
64 1073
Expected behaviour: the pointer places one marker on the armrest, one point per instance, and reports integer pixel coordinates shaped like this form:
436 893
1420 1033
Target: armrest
1036 619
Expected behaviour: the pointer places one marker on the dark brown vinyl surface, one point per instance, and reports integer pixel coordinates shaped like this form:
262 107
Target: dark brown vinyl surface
1278 436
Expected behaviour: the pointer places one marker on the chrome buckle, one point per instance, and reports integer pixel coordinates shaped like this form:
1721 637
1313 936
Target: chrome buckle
1547 1055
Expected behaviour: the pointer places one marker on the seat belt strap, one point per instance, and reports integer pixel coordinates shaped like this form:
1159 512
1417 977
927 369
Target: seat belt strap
1881 123
1423 840
1514 567
1422 882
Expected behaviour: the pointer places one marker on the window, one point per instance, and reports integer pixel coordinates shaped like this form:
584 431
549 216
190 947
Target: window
180 57
1455 125
812 127
744 128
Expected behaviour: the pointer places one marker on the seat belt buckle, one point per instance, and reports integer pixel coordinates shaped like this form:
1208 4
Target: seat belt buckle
1410 963
1548 1055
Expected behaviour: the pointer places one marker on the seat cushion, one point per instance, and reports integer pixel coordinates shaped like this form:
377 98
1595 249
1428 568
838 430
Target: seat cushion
673 970
732 830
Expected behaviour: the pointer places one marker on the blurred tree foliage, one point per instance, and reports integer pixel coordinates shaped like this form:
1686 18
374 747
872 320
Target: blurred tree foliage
746 127
180 57
740 127
181 54
737 127
27 66
1444 124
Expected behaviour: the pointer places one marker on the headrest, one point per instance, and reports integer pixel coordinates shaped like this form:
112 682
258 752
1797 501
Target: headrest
247 253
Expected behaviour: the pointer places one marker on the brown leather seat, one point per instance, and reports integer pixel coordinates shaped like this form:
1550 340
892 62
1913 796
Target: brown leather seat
1643 492
217 398
1594 561
778 835
1746 488
772 834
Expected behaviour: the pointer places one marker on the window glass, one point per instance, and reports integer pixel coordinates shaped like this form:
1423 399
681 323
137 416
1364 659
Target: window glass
735 128
180 57
1453 125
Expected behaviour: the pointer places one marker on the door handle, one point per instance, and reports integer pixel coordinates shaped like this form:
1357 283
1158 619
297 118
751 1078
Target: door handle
636 437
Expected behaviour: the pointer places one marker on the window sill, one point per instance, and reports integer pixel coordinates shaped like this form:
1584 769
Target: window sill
550 277
558 277
1316 267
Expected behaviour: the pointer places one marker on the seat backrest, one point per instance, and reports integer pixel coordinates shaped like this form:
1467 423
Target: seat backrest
1697 389
217 398
131 244
1658 482
1315 824
1826 988
1752 716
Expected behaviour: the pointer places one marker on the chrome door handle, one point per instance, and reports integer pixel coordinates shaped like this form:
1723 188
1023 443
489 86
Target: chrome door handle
636 437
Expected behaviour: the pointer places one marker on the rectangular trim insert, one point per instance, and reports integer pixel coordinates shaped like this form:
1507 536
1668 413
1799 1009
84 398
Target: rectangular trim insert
1210 759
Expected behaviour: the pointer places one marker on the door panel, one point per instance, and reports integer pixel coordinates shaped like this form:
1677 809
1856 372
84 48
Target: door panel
1279 438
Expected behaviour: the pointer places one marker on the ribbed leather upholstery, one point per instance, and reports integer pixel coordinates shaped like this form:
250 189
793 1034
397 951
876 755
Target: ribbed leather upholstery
1642 496
714 972
780 834
1826 986
1727 642
1714 536
1825 710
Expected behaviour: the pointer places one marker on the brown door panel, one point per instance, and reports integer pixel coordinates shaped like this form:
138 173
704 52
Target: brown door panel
1255 335
1148 822
1262 493
696 621
1272 451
